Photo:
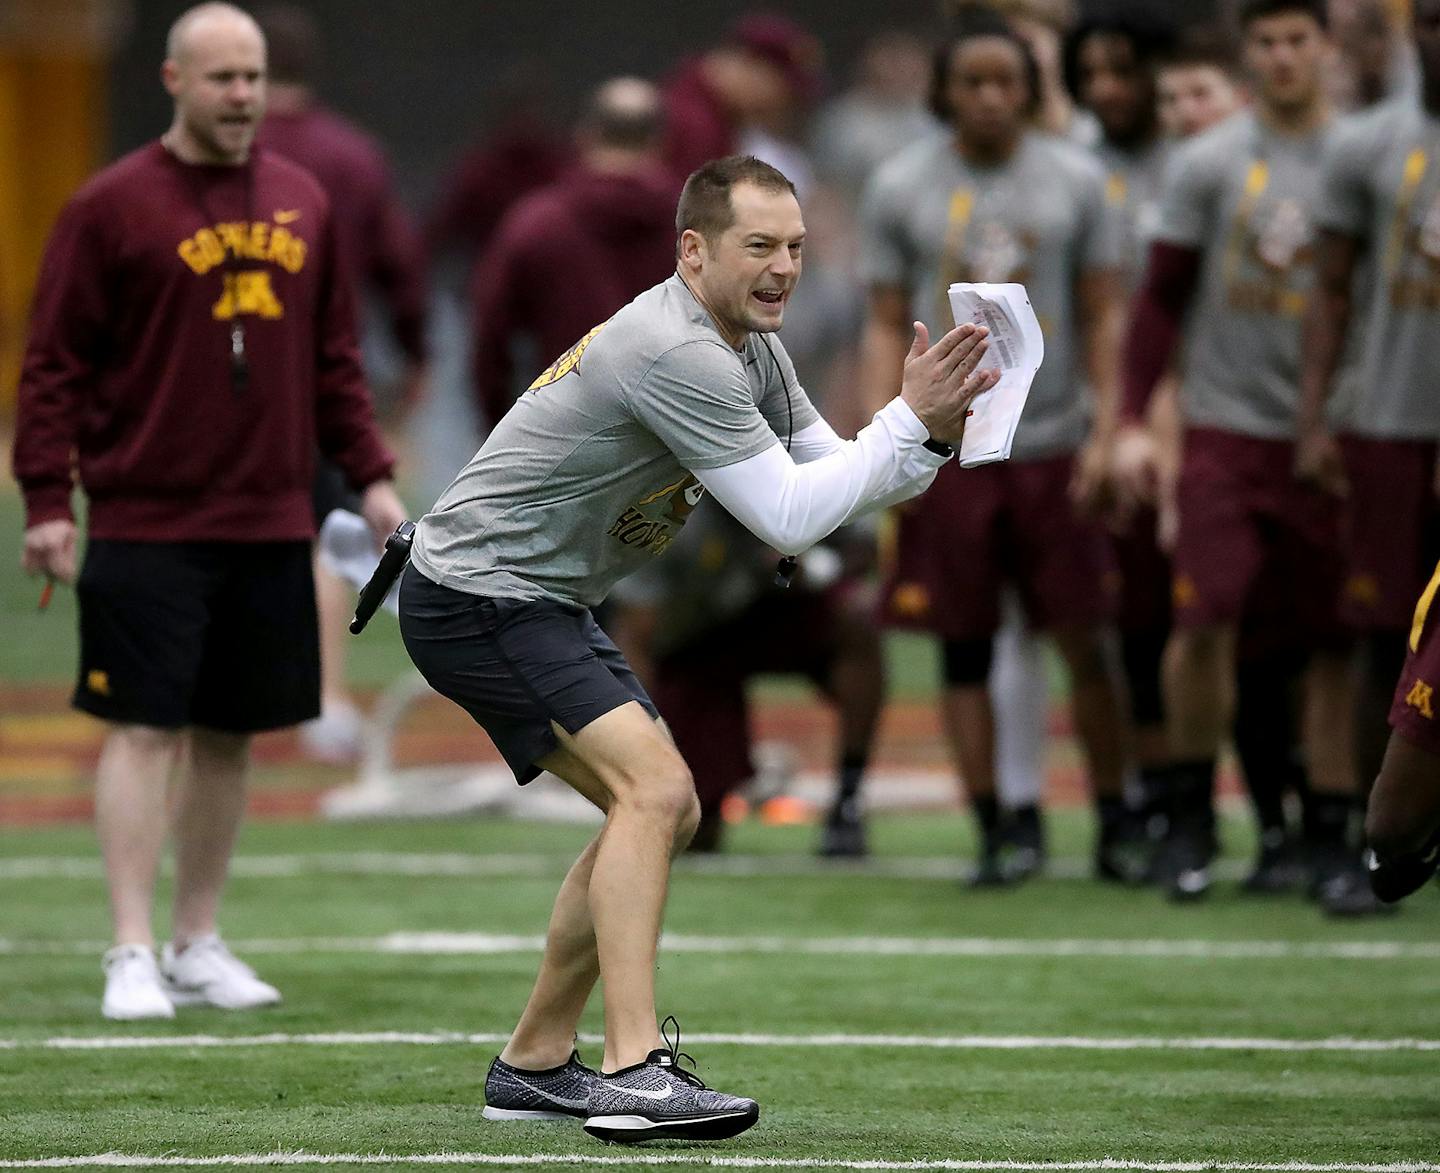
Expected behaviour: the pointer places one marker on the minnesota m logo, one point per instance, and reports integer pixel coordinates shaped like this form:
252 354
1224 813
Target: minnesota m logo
1421 698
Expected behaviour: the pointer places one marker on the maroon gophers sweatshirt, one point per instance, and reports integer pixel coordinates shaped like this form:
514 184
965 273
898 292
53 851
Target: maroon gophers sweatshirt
129 359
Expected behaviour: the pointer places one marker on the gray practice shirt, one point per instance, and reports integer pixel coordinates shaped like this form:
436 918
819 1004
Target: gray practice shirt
1133 183
1381 186
929 219
1245 196
589 475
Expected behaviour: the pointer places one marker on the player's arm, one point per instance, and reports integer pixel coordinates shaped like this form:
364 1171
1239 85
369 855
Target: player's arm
884 343
1156 318
1102 333
1327 323
67 335
792 506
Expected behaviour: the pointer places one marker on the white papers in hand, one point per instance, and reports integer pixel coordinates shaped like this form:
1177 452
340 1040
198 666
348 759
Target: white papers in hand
1017 349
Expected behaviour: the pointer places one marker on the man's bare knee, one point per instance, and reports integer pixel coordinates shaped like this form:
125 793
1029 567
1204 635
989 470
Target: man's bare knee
147 739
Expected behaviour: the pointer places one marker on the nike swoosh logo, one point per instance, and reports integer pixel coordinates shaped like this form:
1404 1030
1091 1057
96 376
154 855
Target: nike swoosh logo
287 217
649 1095
551 1096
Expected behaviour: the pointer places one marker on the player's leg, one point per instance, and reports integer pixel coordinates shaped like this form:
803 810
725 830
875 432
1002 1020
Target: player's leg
1020 695
1067 577
141 628
946 579
1219 554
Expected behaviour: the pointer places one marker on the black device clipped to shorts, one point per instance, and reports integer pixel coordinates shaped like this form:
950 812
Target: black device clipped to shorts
392 563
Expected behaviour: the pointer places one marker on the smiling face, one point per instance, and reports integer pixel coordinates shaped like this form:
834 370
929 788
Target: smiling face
745 274
217 77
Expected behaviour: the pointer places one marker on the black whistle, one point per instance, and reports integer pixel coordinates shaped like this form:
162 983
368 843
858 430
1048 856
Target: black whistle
785 570
239 361
392 562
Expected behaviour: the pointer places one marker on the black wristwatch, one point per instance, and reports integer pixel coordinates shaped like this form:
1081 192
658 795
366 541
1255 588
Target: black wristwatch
940 448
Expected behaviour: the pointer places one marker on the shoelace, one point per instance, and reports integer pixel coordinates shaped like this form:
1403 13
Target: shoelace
676 1054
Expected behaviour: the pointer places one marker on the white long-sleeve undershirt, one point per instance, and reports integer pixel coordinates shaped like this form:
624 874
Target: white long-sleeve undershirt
792 500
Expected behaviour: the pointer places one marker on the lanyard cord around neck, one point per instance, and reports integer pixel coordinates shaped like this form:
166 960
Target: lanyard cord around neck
229 266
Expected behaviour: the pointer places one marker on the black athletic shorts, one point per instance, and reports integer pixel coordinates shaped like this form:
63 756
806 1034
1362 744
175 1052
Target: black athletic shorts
515 666
216 634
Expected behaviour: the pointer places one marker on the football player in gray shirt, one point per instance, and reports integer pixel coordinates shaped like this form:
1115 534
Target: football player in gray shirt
589 476
1234 251
1379 216
993 200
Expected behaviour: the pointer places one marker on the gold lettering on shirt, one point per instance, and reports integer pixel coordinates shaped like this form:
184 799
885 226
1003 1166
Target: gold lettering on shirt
257 241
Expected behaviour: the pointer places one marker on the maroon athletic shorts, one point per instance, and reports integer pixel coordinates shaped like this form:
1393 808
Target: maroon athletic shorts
976 530
1390 526
700 688
1413 713
1249 528
1144 576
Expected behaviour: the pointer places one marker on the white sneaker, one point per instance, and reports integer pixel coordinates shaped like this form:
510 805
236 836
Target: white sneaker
208 974
133 986
336 737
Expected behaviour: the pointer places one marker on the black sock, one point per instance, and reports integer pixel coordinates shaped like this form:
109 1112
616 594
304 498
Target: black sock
1192 794
986 809
1327 820
1267 732
1112 811
851 774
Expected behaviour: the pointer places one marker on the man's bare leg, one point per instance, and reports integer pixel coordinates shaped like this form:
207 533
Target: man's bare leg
1100 720
209 808
131 821
1200 690
651 811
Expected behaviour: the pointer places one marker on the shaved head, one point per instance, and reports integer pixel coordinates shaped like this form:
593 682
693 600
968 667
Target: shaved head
215 71
197 23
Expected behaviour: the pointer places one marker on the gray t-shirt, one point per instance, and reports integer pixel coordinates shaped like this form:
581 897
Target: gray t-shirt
1133 183
1380 184
590 474
929 218
1245 196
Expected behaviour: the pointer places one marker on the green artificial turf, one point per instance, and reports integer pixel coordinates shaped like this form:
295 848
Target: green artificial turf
846 1103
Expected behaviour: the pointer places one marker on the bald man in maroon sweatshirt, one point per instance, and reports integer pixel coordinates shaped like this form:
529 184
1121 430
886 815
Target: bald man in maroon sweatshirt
192 342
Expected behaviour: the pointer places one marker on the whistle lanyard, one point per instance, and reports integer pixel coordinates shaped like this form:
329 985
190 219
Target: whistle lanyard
229 268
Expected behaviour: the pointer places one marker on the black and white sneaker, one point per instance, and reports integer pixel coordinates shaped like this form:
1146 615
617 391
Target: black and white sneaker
658 1099
557 1093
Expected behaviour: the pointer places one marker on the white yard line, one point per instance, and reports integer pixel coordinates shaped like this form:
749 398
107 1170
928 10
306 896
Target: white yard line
887 1041
459 864
439 944
646 1160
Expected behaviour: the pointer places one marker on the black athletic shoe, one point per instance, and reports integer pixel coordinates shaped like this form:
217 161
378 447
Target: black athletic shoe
843 835
1345 891
1395 877
1277 867
1123 851
1183 865
659 1099
557 1093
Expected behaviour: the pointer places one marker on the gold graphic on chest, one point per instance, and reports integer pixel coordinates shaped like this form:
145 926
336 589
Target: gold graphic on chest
1270 242
567 362
646 526
246 291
